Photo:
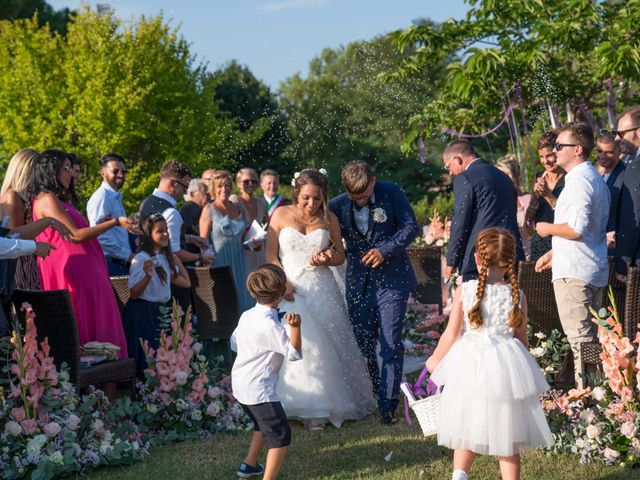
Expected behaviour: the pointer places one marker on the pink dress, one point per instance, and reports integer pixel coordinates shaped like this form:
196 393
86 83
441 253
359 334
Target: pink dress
82 269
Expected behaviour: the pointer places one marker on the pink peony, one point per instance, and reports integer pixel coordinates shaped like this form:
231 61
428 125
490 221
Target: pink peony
28 426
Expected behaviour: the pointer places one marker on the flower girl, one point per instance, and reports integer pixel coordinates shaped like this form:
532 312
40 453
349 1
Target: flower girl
490 402
152 271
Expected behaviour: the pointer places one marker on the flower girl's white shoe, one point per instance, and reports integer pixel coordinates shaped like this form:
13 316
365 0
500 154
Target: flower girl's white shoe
459 475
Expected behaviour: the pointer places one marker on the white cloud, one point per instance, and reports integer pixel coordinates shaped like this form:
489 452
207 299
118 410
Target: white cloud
289 4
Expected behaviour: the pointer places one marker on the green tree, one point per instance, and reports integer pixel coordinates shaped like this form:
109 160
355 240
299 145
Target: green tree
571 56
16 9
343 110
250 102
109 86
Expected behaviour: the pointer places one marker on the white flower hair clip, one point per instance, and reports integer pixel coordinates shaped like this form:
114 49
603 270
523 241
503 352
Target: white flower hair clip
293 180
323 172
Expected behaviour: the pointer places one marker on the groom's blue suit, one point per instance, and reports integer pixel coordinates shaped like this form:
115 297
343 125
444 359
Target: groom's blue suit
377 297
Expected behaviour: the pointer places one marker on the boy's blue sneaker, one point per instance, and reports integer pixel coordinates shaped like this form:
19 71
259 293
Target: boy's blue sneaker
246 471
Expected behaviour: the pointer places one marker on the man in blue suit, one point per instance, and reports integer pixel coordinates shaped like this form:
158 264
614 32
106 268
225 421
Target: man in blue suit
627 226
483 197
612 171
377 225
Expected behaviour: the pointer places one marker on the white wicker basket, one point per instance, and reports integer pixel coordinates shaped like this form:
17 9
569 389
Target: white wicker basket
426 410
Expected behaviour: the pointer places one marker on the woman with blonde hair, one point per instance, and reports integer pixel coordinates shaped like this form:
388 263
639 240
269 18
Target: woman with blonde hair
509 165
222 223
252 208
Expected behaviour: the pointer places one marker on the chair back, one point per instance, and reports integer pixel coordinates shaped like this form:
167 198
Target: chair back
541 300
120 286
632 304
215 301
427 265
55 321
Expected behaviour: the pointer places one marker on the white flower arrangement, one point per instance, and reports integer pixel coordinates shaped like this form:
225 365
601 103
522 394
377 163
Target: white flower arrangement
297 174
379 215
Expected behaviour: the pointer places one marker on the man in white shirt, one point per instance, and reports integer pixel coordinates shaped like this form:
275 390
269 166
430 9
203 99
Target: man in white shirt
106 203
578 257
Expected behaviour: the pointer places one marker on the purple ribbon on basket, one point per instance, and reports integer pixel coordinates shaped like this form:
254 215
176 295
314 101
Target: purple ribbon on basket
429 389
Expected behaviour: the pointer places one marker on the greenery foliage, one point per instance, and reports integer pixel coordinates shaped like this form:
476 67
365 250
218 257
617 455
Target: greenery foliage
132 88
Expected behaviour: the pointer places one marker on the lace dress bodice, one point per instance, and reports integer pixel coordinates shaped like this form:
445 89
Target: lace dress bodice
495 308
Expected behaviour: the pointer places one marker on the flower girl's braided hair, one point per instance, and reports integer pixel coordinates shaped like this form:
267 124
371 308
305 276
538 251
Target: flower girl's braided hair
311 176
496 248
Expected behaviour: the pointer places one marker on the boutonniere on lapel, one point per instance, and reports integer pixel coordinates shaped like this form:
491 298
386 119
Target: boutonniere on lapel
379 215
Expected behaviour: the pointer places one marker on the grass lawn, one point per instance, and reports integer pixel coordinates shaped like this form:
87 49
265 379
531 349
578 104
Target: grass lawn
357 450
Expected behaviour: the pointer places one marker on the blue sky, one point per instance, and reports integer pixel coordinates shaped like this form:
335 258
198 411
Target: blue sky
278 38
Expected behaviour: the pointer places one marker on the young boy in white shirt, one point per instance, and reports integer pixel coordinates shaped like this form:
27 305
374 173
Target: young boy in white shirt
262 345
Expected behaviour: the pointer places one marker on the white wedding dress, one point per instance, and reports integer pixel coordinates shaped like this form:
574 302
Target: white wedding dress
331 382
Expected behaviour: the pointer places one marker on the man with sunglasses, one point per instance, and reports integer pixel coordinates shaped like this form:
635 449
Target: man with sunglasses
578 257
174 182
627 223
106 203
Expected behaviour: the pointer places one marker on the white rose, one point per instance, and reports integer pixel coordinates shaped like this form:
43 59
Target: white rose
540 335
593 431
73 422
51 429
181 378
537 352
598 393
580 443
13 428
196 415
587 415
197 347
611 454
628 429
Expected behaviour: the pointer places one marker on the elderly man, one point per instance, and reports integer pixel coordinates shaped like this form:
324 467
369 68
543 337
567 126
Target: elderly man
269 183
196 197
627 227
483 197
578 257
611 168
106 203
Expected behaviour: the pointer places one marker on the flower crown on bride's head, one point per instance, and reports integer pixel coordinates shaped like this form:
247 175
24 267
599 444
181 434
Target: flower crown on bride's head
297 174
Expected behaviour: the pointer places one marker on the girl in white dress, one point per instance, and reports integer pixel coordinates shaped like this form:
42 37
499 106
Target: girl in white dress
490 402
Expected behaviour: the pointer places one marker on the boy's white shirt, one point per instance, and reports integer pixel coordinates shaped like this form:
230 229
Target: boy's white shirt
262 345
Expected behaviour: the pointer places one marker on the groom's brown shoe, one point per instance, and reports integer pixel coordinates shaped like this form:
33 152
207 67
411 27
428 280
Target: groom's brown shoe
387 419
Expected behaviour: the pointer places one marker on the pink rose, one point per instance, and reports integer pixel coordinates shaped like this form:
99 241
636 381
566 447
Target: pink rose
51 429
28 426
18 414
213 409
628 429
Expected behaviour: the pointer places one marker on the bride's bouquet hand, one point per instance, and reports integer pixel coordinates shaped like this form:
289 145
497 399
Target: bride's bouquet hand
289 291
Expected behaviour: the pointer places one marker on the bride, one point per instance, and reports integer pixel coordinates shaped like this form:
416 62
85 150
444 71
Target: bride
331 383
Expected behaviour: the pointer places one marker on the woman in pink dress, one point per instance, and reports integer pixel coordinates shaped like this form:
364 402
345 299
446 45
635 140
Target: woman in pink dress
78 265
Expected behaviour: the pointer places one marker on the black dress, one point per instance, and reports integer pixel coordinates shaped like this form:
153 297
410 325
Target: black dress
544 213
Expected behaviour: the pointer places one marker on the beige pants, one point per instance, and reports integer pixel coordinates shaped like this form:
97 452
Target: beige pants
574 297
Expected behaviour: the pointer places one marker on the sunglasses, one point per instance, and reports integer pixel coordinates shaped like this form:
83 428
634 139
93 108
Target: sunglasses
617 133
118 171
559 146
249 182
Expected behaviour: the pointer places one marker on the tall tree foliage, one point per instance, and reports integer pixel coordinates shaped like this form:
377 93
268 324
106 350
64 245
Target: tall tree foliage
574 57
56 19
132 88
343 110
250 102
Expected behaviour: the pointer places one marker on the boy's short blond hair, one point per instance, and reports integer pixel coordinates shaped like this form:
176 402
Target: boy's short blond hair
267 284
356 176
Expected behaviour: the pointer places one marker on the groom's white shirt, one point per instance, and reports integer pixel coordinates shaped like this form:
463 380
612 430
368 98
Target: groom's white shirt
362 217
262 344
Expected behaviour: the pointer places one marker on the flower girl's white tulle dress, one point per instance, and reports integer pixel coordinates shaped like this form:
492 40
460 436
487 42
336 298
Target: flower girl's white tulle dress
490 402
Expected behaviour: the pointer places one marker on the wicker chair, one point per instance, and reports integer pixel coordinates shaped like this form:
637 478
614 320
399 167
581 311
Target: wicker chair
215 302
427 265
541 301
120 286
629 313
56 321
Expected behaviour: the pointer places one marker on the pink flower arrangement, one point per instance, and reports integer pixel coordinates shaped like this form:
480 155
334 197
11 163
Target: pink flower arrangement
437 232
423 326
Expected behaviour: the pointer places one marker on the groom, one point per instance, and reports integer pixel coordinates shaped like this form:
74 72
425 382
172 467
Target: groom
377 225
